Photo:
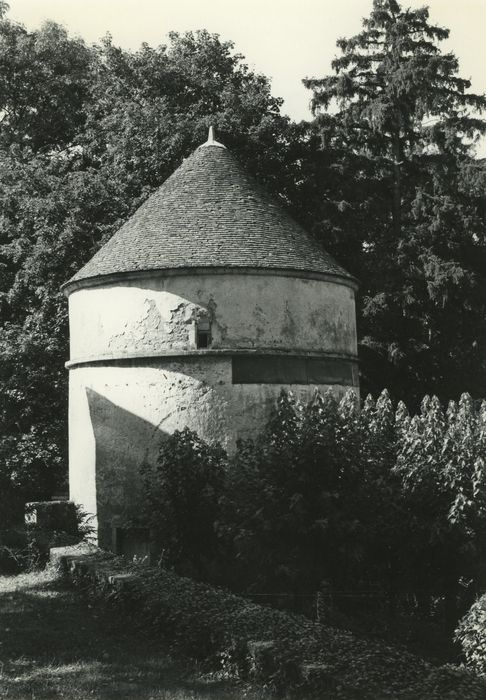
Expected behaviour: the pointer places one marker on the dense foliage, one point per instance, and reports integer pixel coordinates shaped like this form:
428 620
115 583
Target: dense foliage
337 499
406 209
471 633
181 504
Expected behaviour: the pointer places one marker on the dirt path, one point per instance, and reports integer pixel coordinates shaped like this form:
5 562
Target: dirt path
53 644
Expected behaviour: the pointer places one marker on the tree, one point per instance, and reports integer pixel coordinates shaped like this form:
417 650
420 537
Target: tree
443 486
397 123
44 85
313 499
362 500
44 88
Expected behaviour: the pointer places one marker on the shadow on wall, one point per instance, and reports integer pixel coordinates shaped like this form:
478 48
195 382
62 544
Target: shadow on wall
124 443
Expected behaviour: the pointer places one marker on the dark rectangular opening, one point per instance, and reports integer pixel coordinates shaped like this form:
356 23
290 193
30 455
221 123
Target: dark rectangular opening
203 339
203 333
329 371
274 369
269 370
132 542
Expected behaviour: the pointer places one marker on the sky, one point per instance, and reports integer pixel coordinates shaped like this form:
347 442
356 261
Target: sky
286 40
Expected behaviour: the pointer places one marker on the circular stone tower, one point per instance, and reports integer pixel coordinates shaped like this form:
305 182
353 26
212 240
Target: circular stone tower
207 302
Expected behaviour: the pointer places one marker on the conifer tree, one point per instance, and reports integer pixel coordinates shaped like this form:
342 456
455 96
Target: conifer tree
397 119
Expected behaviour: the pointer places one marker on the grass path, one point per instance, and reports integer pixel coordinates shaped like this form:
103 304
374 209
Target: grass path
54 644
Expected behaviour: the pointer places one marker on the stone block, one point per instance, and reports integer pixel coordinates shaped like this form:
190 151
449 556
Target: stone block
61 556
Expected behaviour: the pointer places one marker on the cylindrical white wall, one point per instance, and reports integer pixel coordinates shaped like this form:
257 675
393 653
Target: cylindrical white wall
137 376
249 311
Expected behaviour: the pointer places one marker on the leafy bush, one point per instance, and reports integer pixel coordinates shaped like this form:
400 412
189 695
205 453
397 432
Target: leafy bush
321 490
182 494
27 548
31 468
471 633
333 497
362 499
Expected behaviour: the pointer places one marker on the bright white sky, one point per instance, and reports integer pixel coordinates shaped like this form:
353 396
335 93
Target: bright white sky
286 40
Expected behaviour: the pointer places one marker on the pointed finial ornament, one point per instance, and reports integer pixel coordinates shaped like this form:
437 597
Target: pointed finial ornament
211 140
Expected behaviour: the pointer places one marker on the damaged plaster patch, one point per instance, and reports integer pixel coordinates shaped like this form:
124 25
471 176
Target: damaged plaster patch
148 323
180 323
152 315
151 331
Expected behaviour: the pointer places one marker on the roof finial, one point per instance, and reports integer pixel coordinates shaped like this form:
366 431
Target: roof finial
211 140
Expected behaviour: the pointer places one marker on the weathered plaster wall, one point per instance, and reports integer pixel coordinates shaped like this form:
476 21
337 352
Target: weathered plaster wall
143 378
82 448
247 311
120 414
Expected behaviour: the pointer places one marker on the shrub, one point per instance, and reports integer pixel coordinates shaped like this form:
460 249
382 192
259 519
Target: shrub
471 633
31 468
182 495
362 499
332 496
27 548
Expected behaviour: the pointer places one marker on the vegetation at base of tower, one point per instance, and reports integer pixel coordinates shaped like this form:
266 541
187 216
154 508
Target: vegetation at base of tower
405 210
374 504
471 634
181 502
365 500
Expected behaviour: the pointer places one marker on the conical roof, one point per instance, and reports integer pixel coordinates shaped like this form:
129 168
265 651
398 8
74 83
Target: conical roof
210 213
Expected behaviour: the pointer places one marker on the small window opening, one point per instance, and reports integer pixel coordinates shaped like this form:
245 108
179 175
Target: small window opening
131 542
203 334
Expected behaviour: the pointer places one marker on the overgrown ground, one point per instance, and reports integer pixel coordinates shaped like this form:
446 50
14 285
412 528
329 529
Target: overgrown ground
54 644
